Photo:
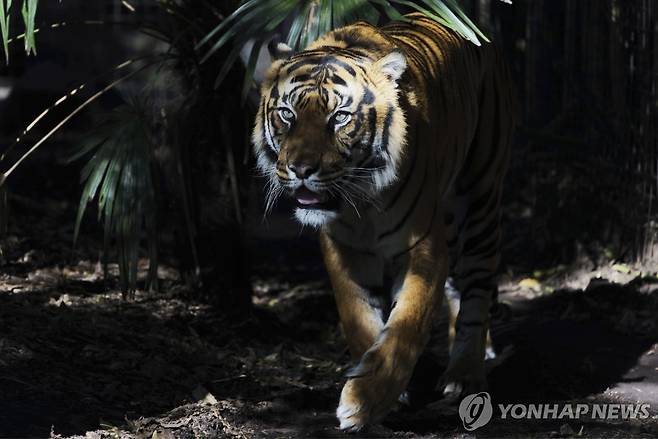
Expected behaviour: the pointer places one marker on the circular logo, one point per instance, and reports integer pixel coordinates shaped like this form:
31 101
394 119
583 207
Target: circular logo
475 410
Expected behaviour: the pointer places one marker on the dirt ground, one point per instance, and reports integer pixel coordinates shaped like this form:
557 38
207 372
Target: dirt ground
76 360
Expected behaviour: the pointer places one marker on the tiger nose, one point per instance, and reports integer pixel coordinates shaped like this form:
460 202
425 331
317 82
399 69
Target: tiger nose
303 170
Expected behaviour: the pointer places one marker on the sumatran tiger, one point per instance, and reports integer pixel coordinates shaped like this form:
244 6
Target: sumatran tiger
394 141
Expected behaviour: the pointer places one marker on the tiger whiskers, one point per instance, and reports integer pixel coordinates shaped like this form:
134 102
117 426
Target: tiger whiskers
363 172
360 181
274 191
345 195
361 193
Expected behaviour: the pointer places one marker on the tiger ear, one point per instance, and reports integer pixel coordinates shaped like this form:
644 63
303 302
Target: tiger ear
279 50
392 65
275 51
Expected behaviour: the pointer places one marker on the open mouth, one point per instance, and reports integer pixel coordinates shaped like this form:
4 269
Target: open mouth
307 199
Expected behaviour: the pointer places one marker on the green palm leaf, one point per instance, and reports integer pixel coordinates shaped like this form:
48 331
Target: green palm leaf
5 17
258 19
29 13
118 175
297 25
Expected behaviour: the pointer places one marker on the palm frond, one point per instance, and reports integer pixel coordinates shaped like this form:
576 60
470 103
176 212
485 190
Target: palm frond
308 19
5 19
29 13
72 114
119 176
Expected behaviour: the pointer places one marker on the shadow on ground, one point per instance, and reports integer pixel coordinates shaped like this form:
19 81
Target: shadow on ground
75 357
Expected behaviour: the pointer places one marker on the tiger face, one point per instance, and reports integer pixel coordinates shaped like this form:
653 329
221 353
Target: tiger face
329 130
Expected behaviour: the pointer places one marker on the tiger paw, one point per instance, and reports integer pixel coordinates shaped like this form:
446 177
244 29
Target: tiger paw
362 404
372 390
463 377
466 369
456 390
353 412
453 391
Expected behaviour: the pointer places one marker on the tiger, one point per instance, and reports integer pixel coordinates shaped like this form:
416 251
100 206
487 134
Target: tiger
393 143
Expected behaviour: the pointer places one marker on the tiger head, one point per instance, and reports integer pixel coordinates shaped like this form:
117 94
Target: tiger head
329 130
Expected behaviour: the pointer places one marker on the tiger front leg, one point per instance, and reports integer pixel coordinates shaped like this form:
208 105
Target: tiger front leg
360 320
374 385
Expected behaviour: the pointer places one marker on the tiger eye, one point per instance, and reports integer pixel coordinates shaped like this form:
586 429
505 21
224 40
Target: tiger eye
341 116
286 114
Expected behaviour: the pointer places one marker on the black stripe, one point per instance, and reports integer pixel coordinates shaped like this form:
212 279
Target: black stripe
337 80
351 40
405 181
492 197
364 160
491 209
482 201
473 224
425 235
409 211
483 236
388 120
324 59
333 50
305 61
295 89
373 161
300 78
357 125
267 133
422 46
347 102
348 68
372 125
367 99
270 152
274 93
365 252
483 253
355 55
493 150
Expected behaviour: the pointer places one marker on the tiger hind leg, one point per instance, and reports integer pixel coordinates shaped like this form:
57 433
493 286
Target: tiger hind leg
452 300
475 257
465 373
474 238
471 344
